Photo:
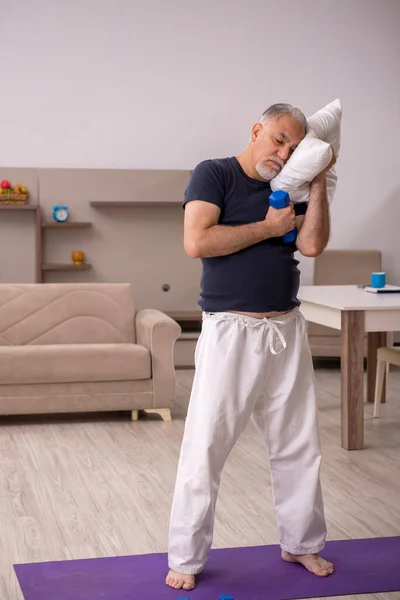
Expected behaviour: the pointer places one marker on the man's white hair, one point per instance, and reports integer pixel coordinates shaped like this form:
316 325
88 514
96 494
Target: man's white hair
279 110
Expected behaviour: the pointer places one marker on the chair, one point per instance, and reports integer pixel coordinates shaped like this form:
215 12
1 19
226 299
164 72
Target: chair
386 356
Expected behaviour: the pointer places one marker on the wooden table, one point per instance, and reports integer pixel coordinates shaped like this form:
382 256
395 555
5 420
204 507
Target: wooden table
353 311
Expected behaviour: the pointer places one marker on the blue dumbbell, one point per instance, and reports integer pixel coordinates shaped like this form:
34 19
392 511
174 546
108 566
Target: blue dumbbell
226 597
281 199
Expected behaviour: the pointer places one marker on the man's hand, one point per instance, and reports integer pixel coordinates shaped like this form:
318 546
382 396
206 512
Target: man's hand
333 161
323 173
314 230
279 221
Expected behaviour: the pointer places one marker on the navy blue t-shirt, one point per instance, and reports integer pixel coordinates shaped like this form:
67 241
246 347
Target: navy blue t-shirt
261 278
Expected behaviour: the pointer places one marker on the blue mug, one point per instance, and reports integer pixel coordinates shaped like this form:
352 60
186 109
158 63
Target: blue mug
378 280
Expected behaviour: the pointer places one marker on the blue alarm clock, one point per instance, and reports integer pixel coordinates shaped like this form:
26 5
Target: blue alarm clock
60 213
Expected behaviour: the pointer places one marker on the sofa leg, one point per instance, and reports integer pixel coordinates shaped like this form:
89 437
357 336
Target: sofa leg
135 415
165 413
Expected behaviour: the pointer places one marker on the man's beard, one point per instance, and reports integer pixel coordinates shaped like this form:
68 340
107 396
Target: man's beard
268 172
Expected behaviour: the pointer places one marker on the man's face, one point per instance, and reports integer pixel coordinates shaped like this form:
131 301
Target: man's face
273 143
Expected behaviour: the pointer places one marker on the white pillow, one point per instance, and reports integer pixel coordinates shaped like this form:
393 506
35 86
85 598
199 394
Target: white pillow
312 155
326 124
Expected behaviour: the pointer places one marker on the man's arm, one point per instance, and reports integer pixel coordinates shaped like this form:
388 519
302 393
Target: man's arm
204 238
314 226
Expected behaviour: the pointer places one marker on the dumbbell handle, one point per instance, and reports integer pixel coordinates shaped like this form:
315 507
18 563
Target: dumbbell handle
280 199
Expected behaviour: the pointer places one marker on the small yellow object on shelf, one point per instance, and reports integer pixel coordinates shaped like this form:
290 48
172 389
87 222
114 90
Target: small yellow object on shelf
78 257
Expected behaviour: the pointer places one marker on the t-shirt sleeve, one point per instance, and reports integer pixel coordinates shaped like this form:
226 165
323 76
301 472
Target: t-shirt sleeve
300 208
206 183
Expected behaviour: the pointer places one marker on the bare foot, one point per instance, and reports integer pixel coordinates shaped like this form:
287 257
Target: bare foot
312 562
179 581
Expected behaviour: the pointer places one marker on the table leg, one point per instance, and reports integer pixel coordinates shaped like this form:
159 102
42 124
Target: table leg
352 364
376 339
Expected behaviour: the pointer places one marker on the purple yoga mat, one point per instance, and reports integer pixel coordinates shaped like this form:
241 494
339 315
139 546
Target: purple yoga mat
257 573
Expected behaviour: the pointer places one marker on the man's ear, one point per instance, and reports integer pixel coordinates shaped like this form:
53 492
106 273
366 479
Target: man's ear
255 131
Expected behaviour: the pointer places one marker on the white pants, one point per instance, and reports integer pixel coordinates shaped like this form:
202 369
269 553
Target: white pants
259 368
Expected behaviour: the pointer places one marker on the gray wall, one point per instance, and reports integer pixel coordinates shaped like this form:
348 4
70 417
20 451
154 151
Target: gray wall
141 245
163 85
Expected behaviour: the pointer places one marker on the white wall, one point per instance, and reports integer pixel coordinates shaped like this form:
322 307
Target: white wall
164 84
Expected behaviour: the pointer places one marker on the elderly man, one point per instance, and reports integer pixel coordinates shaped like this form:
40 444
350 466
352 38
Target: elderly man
252 358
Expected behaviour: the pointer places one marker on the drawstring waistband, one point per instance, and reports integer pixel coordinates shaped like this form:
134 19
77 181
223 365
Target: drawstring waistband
271 327
265 325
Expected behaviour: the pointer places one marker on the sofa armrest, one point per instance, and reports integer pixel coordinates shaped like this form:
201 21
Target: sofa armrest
157 332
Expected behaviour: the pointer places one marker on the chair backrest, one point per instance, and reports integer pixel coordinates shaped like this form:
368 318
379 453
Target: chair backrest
343 267
71 313
346 267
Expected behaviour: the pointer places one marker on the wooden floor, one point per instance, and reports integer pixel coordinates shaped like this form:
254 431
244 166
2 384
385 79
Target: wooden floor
101 485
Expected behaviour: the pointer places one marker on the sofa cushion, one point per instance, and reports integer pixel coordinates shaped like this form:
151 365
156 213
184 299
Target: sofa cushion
66 313
74 362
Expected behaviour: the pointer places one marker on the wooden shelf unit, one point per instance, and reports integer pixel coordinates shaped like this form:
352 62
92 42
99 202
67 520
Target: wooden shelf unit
31 207
66 225
46 267
186 317
65 267
41 267
190 322
35 208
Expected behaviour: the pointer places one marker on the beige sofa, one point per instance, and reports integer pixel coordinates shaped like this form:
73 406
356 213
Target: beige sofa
82 347
340 267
